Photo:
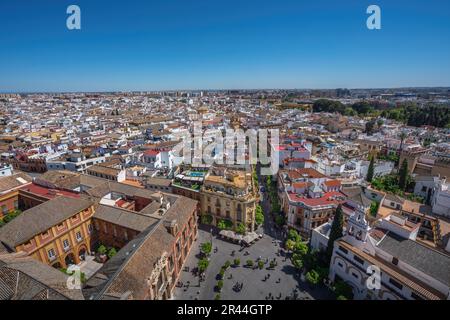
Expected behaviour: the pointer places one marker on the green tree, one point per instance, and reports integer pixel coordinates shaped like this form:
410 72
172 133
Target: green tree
249 263
342 289
11 216
260 264
289 245
225 224
293 235
102 249
297 261
350 112
323 273
403 175
301 248
259 215
241 228
203 265
363 107
112 252
370 170
237 262
336 230
325 105
206 248
312 277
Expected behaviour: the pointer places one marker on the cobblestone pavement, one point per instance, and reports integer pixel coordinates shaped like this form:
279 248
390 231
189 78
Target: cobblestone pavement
283 280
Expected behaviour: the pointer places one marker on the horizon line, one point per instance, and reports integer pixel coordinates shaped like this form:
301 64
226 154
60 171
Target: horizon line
223 89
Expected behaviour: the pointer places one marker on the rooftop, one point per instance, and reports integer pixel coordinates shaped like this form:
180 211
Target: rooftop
40 218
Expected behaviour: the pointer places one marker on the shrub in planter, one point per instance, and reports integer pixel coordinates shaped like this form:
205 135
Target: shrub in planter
203 265
227 264
249 263
237 261
102 250
221 273
217 297
206 248
112 252
101 254
220 284
272 264
260 264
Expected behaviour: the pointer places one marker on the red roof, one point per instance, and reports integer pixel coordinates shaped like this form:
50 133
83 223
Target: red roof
48 193
308 172
332 183
326 199
300 184
151 152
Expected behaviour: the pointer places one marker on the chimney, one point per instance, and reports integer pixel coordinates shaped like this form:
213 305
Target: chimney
172 227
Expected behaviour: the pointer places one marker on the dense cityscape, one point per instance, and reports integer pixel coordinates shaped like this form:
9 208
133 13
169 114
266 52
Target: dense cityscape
98 203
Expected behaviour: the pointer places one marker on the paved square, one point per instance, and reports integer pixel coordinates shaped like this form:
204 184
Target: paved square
254 288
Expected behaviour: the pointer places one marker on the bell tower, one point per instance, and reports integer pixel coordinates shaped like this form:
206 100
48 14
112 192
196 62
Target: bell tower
357 228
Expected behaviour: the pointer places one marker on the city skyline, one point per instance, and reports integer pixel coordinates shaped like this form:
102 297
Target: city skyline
222 46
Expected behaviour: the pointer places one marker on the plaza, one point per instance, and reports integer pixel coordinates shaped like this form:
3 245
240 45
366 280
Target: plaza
283 281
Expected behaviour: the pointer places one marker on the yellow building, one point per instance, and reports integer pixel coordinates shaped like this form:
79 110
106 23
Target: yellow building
229 195
55 232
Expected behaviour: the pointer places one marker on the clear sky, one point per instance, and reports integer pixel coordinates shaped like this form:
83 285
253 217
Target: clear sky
222 44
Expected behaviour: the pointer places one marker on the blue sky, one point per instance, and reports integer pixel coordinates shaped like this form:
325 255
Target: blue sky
222 44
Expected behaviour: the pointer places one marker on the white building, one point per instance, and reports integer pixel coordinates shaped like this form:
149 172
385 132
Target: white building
441 199
75 162
386 262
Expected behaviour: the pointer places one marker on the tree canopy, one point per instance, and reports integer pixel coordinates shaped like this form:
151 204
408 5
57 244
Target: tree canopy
336 230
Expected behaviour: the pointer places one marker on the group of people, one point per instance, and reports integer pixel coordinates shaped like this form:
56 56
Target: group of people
238 286
272 297
180 284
